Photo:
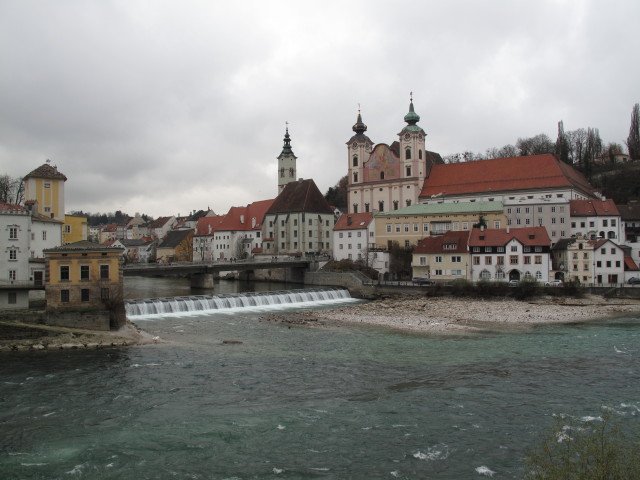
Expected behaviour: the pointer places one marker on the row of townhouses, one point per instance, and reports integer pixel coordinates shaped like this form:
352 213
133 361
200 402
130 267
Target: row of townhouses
499 219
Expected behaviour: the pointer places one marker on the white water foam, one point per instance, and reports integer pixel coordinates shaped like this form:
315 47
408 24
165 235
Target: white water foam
230 304
482 470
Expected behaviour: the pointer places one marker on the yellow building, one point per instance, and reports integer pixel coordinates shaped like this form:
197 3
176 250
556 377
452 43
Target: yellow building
83 275
45 185
177 246
442 257
75 229
409 225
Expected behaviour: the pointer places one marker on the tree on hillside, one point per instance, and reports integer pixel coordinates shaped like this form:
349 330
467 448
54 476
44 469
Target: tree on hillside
562 144
11 190
633 140
504 152
577 142
593 149
337 195
611 150
535 145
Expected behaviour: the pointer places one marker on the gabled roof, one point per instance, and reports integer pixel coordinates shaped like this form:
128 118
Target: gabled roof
160 222
503 174
354 221
445 208
175 238
630 265
456 242
528 236
300 196
589 208
631 211
208 225
46 171
242 218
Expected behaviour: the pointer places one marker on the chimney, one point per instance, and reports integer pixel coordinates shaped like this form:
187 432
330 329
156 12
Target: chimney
482 228
508 229
349 220
242 219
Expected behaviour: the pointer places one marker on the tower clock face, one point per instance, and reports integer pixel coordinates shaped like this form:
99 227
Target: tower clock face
407 136
420 136
354 145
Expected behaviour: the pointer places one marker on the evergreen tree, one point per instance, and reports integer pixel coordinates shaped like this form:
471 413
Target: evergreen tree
633 140
562 144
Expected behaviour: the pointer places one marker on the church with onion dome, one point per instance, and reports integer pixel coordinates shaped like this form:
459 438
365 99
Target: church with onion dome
383 177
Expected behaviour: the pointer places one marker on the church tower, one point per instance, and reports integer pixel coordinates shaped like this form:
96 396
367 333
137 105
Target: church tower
413 154
286 164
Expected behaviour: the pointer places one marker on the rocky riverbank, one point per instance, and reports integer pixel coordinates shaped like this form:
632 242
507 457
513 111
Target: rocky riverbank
459 315
20 336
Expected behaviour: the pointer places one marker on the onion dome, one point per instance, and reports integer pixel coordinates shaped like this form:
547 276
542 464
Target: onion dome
359 126
412 117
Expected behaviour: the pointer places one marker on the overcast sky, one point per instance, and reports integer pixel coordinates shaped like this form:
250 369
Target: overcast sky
165 107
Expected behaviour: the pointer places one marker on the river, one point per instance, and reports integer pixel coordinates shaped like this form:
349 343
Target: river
345 402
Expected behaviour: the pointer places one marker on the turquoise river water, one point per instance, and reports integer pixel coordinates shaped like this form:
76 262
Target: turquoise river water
345 402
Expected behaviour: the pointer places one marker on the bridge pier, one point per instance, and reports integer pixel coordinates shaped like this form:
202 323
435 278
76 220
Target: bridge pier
202 280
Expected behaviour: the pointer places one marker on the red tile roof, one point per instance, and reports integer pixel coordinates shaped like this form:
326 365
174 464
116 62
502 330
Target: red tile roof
242 218
436 244
529 236
10 208
588 208
630 265
503 174
208 225
354 221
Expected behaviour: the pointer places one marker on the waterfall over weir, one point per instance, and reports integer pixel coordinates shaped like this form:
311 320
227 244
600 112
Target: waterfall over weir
201 304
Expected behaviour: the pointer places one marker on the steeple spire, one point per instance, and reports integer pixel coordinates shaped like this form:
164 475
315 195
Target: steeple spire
412 117
286 148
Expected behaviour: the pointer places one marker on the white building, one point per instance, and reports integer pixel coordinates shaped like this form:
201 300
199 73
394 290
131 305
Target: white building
510 254
15 231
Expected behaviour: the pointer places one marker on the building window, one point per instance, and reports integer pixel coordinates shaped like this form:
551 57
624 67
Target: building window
438 259
12 275
500 260
513 259
485 275
476 260
64 273
84 295
407 153
527 260
64 296
406 228
388 228
366 207
67 229
423 261
104 272
381 206
13 255
381 175
355 160
438 272
397 228
13 233
84 272
355 177
395 204
408 171
104 293
488 260
496 224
